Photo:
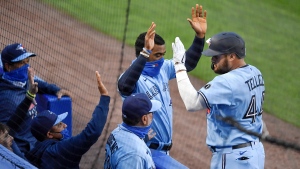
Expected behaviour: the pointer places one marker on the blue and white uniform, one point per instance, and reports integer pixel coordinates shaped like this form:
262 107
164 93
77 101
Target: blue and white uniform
157 88
238 94
124 149
243 105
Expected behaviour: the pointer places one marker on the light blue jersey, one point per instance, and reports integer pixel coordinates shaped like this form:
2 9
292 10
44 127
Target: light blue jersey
124 149
226 97
157 88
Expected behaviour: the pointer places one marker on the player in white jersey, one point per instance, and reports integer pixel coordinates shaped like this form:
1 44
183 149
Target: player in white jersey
125 147
237 92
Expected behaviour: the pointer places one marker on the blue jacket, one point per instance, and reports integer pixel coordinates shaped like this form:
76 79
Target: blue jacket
11 97
66 154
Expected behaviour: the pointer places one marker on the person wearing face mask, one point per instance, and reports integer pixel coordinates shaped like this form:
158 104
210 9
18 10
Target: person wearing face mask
125 147
9 157
150 73
13 89
55 149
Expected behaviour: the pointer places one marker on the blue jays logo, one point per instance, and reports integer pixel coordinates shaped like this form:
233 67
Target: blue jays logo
32 110
208 41
155 65
20 47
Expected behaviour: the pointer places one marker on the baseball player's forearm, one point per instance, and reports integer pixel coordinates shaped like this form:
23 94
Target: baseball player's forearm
127 81
192 100
193 54
82 142
47 88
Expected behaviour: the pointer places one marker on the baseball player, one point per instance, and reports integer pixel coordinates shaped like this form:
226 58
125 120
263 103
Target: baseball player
237 92
125 147
150 74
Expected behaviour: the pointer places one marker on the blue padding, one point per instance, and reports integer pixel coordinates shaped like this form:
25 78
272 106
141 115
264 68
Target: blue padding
9 160
50 102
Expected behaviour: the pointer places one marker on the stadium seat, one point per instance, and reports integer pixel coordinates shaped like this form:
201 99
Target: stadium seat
50 102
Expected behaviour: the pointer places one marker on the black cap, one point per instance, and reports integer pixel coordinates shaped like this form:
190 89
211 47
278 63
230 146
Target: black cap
225 43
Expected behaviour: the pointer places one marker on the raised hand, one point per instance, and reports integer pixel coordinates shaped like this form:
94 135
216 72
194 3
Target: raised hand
63 92
33 86
149 38
198 21
178 51
102 89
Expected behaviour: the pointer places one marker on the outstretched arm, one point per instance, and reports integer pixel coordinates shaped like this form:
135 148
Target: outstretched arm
126 83
82 142
199 25
193 101
20 114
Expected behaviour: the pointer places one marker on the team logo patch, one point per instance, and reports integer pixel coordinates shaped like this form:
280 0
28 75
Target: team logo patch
20 47
208 41
207 86
155 65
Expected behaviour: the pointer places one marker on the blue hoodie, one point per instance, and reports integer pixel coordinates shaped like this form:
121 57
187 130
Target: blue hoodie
11 97
66 154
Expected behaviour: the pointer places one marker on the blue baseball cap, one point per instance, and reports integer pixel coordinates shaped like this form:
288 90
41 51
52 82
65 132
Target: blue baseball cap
43 122
14 53
137 105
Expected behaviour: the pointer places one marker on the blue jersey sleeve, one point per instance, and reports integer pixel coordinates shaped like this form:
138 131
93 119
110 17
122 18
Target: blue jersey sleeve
47 88
128 79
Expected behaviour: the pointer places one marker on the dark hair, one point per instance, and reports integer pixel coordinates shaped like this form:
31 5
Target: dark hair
130 122
140 42
3 128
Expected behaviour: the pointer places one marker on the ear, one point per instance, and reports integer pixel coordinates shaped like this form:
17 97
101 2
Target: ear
232 56
144 119
6 67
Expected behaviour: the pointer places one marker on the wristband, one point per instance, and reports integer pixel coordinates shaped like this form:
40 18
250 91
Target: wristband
147 51
179 67
144 54
30 95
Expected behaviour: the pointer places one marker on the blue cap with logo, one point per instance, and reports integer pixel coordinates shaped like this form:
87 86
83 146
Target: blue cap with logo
14 53
43 122
137 105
